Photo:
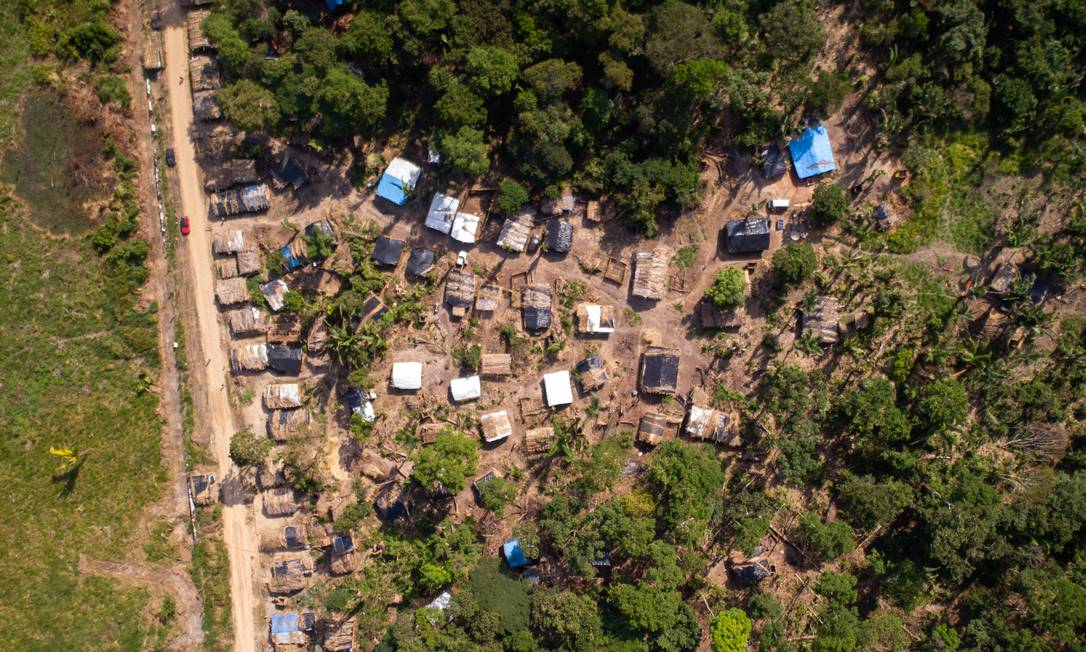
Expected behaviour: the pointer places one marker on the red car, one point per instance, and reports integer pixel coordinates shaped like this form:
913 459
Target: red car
184 225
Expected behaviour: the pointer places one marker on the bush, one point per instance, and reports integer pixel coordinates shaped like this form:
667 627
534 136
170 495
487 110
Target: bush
794 263
450 461
729 289
468 357
830 540
730 630
829 205
496 495
111 88
838 588
246 449
94 40
511 196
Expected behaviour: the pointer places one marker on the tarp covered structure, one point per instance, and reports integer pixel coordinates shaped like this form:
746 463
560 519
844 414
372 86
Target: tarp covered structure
594 319
747 236
557 389
290 628
465 226
559 236
285 359
289 172
496 426
660 370
812 154
284 396
387 251
420 262
514 554
536 307
247 321
465 389
227 242
653 429
407 375
515 232
398 181
274 292
442 212
774 164
592 374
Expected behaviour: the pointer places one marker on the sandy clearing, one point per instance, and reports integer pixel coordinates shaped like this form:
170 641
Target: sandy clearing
241 543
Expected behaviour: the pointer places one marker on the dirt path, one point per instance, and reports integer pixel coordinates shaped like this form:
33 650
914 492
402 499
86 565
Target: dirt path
238 534
176 582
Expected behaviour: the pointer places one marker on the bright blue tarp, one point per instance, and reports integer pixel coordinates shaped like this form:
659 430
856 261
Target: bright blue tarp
333 4
811 153
288 255
514 554
391 189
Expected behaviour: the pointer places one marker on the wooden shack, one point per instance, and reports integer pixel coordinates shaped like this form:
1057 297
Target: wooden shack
194 25
487 301
538 441
231 291
821 322
226 267
247 321
654 428
707 424
229 173
650 280
204 73
459 292
279 502
659 370
535 303
496 365
290 575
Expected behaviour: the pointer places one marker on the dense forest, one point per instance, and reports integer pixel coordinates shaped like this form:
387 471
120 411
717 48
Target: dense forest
945 473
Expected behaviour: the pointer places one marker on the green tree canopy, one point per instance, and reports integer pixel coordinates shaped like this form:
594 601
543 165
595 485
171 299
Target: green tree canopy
466 152
246 449
491 71
511 196
829 205
730 630
450 461
250 106
348 104
566 619
686 480
794 263
729 290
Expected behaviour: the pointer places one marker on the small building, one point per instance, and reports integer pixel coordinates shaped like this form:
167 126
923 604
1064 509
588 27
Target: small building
1005 276
659 371
229 173
407 376
748 571
289 173
712 425
280 502
747 236
774 164
459 291
248 262
465 389
318 336
515 232
226 268
294 254
358 403
496 365
249 357
561 205
283 396
227 242
556 388
274 292
231 291
247 199
812 154
713 317
289 631
593 211
387 251
513 554
821 322
594 319
290 538
398 182
338 635
487 300
343 558
285 359
535 301
496 426
247 321
283 424
194 25
200 486
205 106
285 328
204 73
372 308
465 226
152 55
420 262
538 441
442 213
289 575
559 236
653 429
591 374
650 273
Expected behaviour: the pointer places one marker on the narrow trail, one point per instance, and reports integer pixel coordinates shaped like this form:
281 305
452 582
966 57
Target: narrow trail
210 378
178 583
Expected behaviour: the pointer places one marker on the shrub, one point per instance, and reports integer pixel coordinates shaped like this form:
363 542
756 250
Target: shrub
794 263
111 88
511 196
450 461
829 205
246 449
729 289
830 540
730 630
496 495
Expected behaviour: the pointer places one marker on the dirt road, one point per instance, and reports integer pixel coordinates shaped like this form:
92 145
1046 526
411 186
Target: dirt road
238 533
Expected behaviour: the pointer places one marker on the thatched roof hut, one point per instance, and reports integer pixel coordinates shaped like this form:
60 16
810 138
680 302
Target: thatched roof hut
229 173
252 198
226 267
495 426
205 106
538 441
288 537
231 291
591 374
338 636
280 502
289 575
283 396
248 262
712 425
654 428
285 328
227 242
515 232
659 370
459 291
650 273
535 303
496 364
282 424
249 357
594 319
344 558
194 24
204 73
822 322
487 301
247 321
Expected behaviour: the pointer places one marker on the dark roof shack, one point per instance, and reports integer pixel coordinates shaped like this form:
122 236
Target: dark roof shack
747 236
285 359
591 374
774 163
660 370
536 307
559 236
653 429
387 251
420 262
288 172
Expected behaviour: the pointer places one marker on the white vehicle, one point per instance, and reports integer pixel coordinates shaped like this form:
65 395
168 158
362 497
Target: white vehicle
461 259
779 204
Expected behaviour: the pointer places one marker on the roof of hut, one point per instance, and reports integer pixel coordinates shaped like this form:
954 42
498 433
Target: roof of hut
536 307
650 273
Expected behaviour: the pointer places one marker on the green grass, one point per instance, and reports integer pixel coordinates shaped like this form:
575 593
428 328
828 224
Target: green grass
497 592
211 574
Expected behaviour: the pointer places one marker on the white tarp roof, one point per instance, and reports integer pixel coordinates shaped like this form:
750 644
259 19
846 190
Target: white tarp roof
283 396
465 389
496 426
407 172
407 375
557 387
464 228
595 312
442 212
273 292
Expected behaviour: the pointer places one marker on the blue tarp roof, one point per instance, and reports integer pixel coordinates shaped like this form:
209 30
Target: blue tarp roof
391 189
514 554
333 4
288 255
286 623
811 152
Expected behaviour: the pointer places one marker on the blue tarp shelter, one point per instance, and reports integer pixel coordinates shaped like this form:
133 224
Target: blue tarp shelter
288 629
293 262
514 554
398 181
811 153
333 4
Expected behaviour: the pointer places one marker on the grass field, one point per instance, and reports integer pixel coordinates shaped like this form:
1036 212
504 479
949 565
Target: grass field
74 357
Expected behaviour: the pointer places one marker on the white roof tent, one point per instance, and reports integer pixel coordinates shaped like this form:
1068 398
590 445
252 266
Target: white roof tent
557 388
398 181
407 375
465 389
464 228
442 213
595 322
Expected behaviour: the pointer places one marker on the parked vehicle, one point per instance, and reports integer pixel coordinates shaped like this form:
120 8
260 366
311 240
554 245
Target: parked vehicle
184 223
533 244
171 159
461 259
156 20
